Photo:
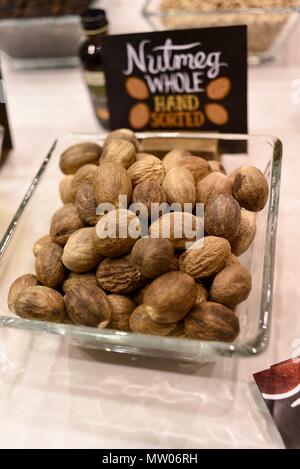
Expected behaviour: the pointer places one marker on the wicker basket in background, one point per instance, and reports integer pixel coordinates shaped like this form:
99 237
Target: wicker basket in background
41 8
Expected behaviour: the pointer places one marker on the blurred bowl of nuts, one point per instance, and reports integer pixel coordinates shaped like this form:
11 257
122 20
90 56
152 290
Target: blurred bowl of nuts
152 244
270 23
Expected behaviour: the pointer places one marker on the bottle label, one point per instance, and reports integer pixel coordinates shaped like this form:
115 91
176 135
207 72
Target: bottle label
96 84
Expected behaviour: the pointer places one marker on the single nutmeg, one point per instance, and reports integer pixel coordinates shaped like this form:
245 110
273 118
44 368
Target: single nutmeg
40 243
25 281
78 155
148 193
117 231
141 322
79 254
153 257
222 216
111 181
65 222
84 175
140 294
212 185
197 166
49 268
250 188
178 332
231 286
74 280
142 156
171 159
86 204
205 257
201 294
149 168
180 228
246 234
169 297
212 321
119 151
88 306
65 189
119 276
122 134
216 166
231 259
40 303
179 187
122 308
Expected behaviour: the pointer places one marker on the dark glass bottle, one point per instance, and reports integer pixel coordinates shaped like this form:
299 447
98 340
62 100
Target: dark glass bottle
95 26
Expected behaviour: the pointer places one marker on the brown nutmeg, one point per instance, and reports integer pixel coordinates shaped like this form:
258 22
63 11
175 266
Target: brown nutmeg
231 259
179 186
79 254
216 166
197 166
88 306
153 257
73 280
205 258
148 168
181 228
86 204
119 151
148 193
117 231
84 175
119 276
212 321
40 303
122 310
140 294
170 296
212 185
141 322
112 181
78 155
201 294
178 332
173 158
222 216
40 243
231 286
49 268
65 222
122 134
65 189
246 234
25 281
250 188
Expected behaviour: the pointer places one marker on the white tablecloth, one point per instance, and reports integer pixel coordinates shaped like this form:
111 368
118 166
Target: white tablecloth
56 395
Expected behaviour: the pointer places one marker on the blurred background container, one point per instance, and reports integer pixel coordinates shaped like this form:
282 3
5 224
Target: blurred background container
270 22
44 33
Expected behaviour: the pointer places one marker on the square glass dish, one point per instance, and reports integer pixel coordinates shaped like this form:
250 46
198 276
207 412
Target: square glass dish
32 220
270 22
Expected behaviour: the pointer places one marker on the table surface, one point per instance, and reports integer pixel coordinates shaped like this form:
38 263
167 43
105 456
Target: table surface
56 395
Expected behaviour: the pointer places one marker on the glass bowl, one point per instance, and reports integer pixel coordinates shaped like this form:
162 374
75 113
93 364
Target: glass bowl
269 26
32 220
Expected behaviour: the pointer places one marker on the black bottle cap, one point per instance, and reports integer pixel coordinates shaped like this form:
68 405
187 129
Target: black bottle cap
94 18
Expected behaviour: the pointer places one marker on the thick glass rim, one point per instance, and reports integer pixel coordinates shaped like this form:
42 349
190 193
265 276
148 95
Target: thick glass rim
128 342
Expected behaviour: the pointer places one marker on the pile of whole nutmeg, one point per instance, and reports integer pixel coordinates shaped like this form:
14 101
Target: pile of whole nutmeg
96 267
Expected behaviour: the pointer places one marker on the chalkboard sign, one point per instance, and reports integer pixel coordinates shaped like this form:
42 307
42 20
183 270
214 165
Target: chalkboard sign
178 80
7 142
